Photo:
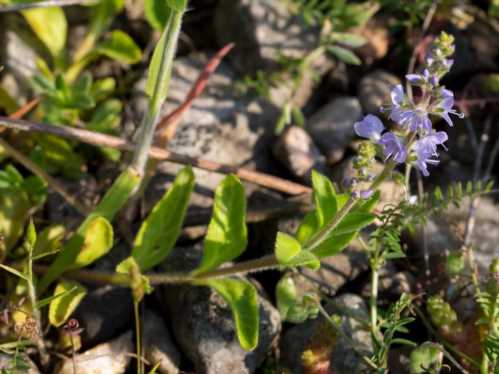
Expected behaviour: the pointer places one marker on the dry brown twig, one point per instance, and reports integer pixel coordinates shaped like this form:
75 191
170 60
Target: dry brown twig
99 139
168 124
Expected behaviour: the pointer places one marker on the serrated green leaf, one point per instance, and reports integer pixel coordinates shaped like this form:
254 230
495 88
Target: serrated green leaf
227 234
50 26
157 13
161 229
242 298
344 55
61 308
120 47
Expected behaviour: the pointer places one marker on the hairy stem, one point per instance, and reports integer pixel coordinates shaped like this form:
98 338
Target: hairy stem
138 337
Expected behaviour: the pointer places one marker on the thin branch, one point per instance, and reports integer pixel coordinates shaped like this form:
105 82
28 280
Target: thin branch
165 130
98 139
45 4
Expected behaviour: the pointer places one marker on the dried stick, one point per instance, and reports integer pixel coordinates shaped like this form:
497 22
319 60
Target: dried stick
167 126
98 139
44 4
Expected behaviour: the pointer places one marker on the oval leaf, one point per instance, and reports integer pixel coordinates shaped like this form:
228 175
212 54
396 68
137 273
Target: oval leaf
345 55
120 47
161 229
227 234
243 301
157 13
98 240
60 308
50 25
286 247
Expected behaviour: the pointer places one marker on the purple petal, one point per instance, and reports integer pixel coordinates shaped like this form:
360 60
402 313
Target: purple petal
414 78
366 194
370 127
393 147
397 95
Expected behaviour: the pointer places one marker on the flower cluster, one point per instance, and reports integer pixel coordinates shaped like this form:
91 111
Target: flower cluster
414 139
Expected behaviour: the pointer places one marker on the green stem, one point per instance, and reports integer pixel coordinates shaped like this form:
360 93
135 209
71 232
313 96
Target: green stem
44 358
167 52
138 337
374 297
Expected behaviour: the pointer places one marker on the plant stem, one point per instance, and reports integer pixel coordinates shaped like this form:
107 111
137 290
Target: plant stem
44 358
374 296
138 337
167 52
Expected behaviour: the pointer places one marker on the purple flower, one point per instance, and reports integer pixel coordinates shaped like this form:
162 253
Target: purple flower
370 127
444 106
422 79
393 147
426 150
412 118
366 194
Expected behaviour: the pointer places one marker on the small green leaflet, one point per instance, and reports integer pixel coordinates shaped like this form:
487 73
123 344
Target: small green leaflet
227 234
243 301
289 252
67 297
159 232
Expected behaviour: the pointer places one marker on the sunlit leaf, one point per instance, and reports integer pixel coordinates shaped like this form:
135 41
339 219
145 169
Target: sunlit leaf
157 12
120 47
61 307
161 229
243 301
226 237
50 25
